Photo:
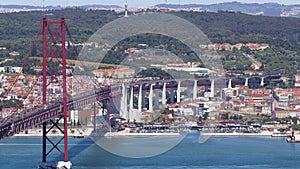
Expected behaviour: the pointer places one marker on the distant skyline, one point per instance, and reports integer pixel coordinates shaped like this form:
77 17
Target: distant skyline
132 3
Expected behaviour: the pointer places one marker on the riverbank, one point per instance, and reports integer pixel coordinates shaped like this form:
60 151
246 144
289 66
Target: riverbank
72 132
80 132
263 133
113 134
129 132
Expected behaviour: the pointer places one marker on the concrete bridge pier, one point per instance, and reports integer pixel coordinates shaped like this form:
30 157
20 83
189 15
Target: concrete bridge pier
178 92
212 88
156 99
246 82
188 92
262 83
151 98
143 99
140 98
123 109
195 90
164 94
172 100
229 84
130 113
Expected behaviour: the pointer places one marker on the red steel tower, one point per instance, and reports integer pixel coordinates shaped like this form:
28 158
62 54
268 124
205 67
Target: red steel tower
54 46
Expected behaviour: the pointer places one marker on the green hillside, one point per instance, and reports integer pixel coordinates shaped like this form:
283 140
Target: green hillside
17 32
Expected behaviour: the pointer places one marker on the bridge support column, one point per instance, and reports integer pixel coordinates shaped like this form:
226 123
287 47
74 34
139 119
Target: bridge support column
44 151
188 92
262 83
151 98
94 118
156 99
108 115
140 98
229 84
44 90
131 99
123 111
143 99
164 94
54 37
178 92
64 68
246 81
172 101
195 90
126 103
130 114
212 88
113 109
103 108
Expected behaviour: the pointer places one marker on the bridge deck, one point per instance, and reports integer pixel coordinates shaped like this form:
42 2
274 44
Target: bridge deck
19 122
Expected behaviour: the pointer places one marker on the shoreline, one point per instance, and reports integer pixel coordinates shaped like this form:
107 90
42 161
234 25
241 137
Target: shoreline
237 134
140 134
78 132
262 134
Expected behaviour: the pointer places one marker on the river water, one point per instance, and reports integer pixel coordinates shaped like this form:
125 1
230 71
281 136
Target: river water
216 152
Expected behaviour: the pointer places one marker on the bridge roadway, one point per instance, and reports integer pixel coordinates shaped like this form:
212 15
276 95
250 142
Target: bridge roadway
19 122
203 81
240 80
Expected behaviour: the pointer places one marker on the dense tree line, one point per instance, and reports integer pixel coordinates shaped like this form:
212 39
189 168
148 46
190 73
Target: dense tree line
10 103
233 28
153 41
17 32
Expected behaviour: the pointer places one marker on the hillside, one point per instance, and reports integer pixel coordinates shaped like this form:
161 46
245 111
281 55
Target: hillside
266 9
281 33
233 27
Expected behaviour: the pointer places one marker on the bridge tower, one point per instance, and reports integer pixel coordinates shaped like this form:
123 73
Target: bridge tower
54 46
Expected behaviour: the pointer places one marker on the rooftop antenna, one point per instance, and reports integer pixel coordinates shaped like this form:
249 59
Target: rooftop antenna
126 9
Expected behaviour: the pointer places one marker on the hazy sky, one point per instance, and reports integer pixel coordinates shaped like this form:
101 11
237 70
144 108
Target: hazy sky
132 3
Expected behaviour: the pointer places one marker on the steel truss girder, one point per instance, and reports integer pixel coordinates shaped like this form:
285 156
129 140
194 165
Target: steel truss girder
41 114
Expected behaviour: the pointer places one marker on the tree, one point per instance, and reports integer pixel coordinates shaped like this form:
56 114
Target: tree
206 115
13 103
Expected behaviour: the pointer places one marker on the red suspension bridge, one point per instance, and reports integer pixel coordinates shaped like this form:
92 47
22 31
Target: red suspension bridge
54 47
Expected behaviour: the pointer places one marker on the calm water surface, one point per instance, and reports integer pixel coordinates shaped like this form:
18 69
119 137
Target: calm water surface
216 152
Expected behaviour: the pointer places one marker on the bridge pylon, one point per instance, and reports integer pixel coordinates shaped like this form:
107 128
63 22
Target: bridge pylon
54 46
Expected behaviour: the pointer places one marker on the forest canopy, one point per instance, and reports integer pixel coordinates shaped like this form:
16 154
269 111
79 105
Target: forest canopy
18 30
